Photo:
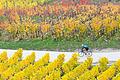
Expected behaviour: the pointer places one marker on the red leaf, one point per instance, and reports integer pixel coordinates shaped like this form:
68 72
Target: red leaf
84 1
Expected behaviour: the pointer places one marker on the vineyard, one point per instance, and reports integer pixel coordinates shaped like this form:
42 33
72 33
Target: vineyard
59 21
17 68
58 25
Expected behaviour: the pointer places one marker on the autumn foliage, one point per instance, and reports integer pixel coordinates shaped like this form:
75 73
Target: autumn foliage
63 20
17 68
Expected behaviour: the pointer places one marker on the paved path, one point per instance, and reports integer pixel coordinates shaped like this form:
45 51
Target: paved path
112 56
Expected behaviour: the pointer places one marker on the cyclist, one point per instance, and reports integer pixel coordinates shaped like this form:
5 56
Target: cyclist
85 49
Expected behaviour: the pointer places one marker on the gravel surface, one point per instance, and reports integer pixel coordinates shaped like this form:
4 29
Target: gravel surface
112 55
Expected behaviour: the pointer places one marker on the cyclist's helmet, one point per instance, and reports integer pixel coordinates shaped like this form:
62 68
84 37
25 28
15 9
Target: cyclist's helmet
85 46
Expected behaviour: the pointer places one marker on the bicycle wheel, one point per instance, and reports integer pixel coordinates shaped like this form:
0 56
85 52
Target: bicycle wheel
81 54
89 53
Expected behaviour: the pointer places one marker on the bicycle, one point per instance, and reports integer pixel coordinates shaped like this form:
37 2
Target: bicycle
82 54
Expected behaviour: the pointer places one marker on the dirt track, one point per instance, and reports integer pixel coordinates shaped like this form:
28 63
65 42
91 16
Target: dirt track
112 55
